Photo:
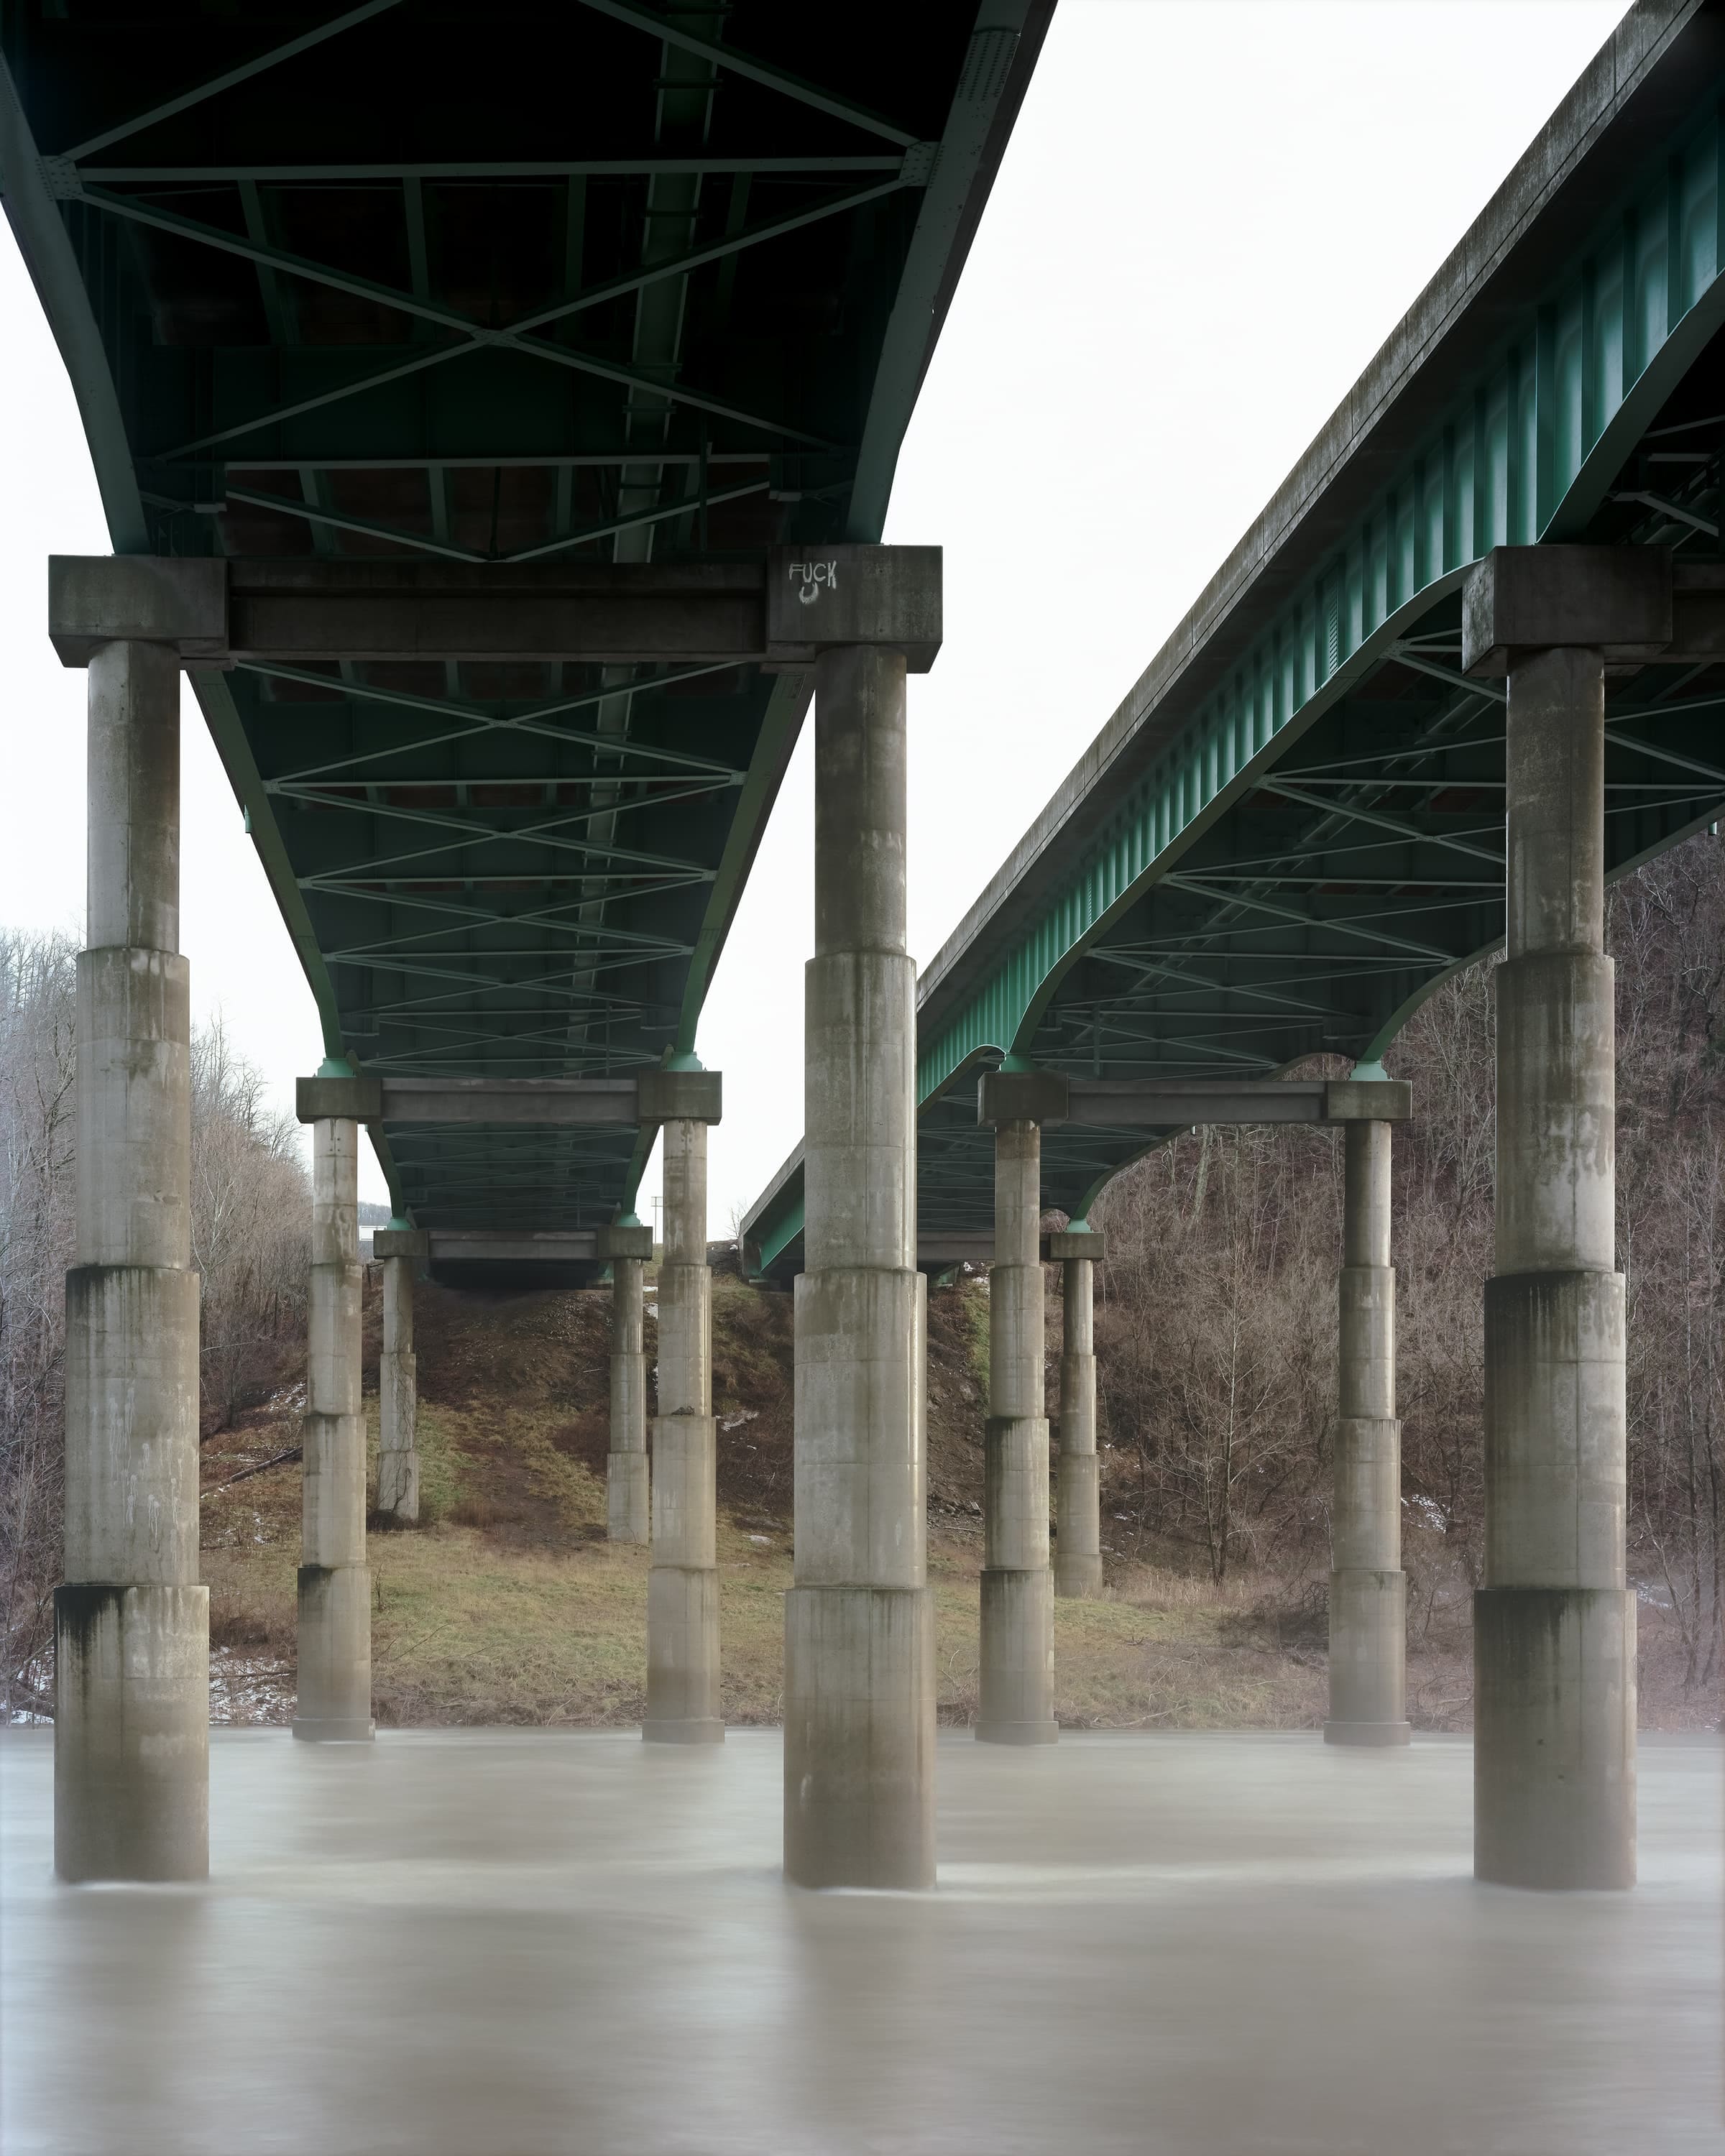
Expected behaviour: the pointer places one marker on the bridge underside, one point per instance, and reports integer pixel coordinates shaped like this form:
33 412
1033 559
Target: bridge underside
563 283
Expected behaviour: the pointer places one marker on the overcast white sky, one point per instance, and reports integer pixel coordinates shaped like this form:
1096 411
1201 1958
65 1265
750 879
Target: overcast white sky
1211 215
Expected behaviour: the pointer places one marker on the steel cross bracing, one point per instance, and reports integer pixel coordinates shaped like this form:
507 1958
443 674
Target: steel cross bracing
1293 828
549 279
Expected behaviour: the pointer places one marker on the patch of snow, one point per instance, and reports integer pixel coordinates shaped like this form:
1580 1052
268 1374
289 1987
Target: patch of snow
249 1689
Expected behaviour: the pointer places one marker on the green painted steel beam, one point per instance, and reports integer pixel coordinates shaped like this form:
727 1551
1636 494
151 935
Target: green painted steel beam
1526 449
484 170
672 33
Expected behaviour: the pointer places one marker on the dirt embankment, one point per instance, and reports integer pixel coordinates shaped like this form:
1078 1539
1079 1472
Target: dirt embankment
507 1604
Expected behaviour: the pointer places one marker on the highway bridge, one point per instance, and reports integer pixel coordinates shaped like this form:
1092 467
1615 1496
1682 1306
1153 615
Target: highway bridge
1467 665
505 507
607 284
495 411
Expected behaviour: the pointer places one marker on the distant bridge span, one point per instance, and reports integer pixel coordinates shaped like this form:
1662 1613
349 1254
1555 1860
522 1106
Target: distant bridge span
1292 829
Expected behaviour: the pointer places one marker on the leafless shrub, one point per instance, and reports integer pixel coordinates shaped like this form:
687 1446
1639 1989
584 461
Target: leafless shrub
250 1228
1215 1316
250 1231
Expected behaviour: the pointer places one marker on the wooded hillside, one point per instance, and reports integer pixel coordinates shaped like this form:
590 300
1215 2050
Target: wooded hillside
1216 1337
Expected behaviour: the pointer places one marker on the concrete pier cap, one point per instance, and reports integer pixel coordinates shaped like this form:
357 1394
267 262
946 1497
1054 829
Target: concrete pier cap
1631 604
828 597
624 1239
95 599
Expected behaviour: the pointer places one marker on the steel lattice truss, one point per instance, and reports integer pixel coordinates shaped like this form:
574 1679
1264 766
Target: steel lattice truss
579 278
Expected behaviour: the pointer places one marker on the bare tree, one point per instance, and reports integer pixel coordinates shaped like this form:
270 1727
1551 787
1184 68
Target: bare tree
250 1231
250 1227
37 1133
1215 1325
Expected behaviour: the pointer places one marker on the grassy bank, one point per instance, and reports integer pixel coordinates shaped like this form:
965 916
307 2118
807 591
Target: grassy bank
509 1605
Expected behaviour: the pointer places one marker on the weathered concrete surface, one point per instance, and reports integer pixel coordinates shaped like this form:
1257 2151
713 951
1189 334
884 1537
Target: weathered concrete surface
464 1940
398 1399
1367 1588
859 1754
683 1590
627 1509
335 1606
1078 1541
1554 1623
131 1623
1015 1683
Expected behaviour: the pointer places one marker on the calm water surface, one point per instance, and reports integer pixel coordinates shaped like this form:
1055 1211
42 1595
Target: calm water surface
509 1943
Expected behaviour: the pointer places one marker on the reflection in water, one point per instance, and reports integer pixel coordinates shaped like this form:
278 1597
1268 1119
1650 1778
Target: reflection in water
505 1942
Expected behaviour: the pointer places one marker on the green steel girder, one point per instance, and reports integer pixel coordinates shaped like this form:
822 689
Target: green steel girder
1527 450
501 284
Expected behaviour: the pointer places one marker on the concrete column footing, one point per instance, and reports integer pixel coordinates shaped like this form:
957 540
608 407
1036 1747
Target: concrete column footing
1369 1631
683 1656
858 1740
1077 1560
131 1732
1554 1735
1016 1705
335 1682
1077 1577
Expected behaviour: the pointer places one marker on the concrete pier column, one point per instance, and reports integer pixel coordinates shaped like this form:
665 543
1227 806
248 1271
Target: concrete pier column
334 1702
683 1587
859 1755
131 1624
398 1399
1554 1624
628 1245
1078 1516
1367 1588
1016 1691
